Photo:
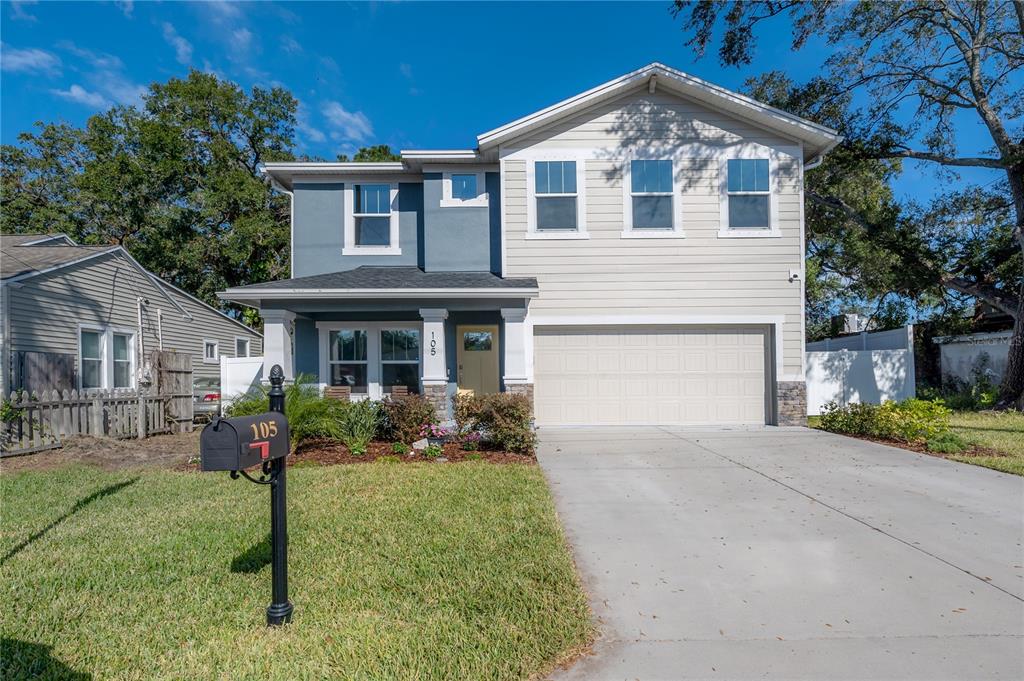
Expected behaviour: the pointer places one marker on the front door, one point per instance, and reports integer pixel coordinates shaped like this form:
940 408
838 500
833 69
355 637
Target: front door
478 358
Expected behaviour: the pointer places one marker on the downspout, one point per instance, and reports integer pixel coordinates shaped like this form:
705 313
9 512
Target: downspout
814 162
160 328
274 184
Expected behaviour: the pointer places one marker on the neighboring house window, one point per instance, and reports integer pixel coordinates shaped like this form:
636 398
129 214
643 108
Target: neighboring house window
373 214
211 351
650 189
461 189
556 196
400 359
91 359
749 194
122 357
371 219
241 347
349 359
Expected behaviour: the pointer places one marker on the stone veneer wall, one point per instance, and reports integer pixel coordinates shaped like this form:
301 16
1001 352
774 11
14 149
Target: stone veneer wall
437 395
792 401
521 389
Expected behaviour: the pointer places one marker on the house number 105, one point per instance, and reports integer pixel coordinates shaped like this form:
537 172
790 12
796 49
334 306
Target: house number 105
433 344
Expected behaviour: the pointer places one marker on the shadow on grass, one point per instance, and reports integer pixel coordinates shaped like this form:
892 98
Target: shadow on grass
79 505
254 558
23 660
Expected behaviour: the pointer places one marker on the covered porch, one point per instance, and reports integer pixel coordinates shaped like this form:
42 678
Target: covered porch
374 331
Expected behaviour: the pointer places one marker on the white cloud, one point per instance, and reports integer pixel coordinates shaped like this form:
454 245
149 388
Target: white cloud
290 45
406 70
222 10
126 7
106 77
240 41
329 64
99 60
18 10
182 47
346 124
30 60
77 93
304 126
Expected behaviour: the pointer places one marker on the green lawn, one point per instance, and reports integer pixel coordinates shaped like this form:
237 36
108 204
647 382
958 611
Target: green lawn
1001 431
398 571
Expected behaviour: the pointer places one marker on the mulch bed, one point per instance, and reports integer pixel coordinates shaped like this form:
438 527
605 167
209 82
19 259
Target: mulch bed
920 448
329 453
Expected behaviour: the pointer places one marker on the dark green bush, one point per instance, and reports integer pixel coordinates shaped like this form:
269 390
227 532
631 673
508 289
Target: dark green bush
506 420
911 420
404 416
399 448
947 443
310 415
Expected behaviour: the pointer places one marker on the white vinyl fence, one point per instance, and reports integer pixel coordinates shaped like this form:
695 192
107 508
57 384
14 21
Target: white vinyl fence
860 368
239 375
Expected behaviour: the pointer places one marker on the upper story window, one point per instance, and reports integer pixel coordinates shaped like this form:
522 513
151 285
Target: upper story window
748 196
371 219
651 203
211 351
556 196
241 347
463 188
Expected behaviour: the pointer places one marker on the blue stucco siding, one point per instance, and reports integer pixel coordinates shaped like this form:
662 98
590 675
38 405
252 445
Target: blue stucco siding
318 229
307 347
461 239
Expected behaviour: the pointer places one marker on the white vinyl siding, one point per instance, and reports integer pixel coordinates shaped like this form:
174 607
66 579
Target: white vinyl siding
698 275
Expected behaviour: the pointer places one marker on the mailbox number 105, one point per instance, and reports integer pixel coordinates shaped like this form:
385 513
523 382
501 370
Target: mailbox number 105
264 429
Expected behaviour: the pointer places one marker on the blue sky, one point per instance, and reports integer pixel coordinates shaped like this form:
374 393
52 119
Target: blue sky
412 75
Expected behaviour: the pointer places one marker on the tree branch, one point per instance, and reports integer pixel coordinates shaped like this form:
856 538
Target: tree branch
992 296
968 161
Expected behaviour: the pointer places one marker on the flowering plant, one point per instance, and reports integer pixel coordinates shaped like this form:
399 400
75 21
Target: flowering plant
473 437
434 431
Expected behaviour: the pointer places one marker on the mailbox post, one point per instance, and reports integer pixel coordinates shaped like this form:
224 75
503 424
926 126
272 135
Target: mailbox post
235 444
280 609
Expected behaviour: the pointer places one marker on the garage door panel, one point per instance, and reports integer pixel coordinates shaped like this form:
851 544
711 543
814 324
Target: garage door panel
671 375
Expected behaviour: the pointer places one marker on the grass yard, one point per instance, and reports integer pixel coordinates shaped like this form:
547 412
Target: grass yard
1001 431
416 571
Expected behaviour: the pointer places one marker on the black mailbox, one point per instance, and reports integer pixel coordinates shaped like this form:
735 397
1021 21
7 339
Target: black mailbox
243 441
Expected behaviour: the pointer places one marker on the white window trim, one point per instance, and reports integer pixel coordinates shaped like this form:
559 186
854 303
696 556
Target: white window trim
216 345
248 346
448 201
107 355
726 232
349 246
374 389
628 232
581 200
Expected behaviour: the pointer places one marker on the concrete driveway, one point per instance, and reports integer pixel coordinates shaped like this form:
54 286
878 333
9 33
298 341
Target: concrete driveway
788 553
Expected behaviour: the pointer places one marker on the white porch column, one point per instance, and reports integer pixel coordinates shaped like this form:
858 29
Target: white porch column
435 368
517 346
278 343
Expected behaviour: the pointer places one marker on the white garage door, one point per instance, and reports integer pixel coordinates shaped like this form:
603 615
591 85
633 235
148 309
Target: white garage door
649 375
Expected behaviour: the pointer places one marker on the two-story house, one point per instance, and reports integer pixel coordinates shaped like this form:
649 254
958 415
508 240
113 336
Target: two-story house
631 255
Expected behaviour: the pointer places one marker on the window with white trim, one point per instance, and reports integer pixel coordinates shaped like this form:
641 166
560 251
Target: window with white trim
348 361
372 213
400 359
211 351
122 360
241 347
463 188
556 196
748 192
651 194
91 359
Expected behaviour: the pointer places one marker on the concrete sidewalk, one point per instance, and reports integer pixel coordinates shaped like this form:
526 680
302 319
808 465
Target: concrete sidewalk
789 554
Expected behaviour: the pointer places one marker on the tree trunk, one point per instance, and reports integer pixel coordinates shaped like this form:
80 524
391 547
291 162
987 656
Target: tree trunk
1011 390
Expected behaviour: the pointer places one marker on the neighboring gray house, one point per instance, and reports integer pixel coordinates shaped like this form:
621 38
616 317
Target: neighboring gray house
631 255
93 310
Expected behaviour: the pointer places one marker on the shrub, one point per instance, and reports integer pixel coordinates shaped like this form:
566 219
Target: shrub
474 456
947 443
359 423
507 421
388 458
310 415
405 415
471 442
465 410
399 448
911 420
434 431
433 451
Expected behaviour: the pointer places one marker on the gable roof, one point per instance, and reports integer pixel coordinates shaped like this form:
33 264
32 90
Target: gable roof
26 255
817 139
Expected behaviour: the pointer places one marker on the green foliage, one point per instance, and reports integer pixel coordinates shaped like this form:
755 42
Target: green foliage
947 443
404 416
433 451
310 415
470 446
506 420
399 448
388 458
374 154
359 422
474 456
911 420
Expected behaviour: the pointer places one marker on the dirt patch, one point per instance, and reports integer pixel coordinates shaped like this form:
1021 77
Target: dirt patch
159 451
920 448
